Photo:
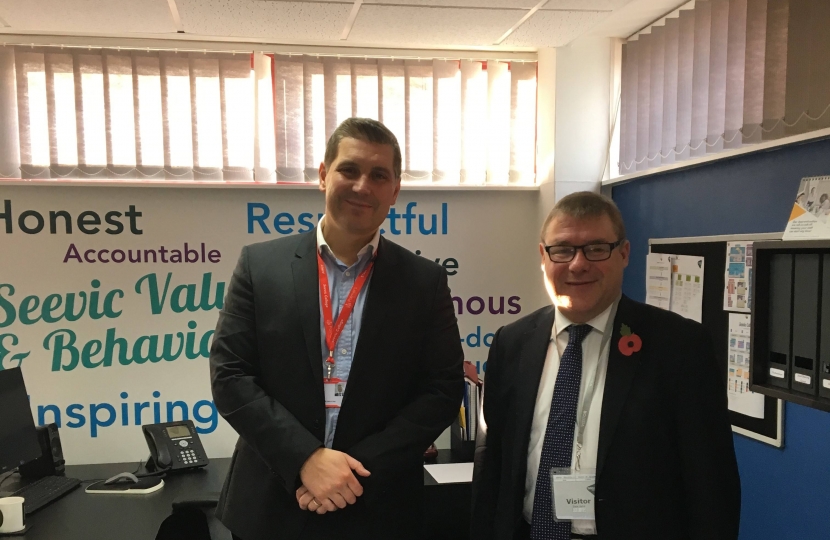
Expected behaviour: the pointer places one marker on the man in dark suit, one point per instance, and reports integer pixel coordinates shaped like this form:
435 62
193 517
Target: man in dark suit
337 359
600 384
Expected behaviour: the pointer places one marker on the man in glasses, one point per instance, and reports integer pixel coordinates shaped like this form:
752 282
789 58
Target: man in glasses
605 418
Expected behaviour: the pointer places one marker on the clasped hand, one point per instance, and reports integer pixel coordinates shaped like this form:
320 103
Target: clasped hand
328 481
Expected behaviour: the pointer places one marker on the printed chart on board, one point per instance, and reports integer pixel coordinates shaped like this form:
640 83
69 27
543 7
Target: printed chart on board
741 400
737 293
687 287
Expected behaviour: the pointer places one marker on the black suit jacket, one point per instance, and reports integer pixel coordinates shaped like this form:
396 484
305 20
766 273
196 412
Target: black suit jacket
266 368
666 465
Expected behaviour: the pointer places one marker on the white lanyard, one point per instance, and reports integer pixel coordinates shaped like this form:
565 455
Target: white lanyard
591 383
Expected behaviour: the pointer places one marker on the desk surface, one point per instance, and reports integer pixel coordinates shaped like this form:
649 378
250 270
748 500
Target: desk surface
79 515
125 517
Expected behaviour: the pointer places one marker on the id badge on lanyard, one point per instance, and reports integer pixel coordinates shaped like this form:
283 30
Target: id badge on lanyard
573 494
333 387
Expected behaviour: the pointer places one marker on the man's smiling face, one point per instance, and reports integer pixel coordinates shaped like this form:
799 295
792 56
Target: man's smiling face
583 289
360 186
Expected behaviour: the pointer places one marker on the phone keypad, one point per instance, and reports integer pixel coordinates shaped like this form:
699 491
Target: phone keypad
189 457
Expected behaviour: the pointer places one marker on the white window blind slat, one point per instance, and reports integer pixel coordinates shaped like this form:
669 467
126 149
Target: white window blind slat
628 103
668 141
756 39
207 118
420 104
775 69
700 77
643 100
265 158
799 48
685 83
120 114
447 120
237 123
473 122
655 100
498 129
523 136
150 124
60 94
9 128
735 74
177 117
32 116
716 119
819 102
393 102
289 110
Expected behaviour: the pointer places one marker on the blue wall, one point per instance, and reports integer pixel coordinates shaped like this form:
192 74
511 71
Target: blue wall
786 492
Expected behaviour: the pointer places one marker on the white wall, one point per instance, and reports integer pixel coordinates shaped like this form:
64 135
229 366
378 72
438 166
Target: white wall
546 130
584 78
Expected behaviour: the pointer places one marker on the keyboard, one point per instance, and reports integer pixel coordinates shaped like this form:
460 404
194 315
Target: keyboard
45 490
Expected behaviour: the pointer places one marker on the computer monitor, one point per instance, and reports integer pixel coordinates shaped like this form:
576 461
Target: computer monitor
18 437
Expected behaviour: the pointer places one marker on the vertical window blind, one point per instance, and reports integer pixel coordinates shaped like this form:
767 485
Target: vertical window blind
457 121
193 116
722 74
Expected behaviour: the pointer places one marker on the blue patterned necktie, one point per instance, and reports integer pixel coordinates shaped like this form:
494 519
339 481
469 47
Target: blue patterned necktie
557 448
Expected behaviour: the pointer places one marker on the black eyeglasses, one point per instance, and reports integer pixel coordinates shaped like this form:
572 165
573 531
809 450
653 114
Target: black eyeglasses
592 252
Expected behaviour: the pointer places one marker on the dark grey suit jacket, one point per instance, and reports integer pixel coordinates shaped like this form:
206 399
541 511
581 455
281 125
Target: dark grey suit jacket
666 467
266 369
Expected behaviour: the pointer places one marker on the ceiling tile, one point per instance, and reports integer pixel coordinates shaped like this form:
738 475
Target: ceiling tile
497 4
93 16
554 28
306 21
582 5
579 5
425 26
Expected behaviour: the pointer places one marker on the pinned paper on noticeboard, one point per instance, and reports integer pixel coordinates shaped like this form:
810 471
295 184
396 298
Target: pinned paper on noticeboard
810 216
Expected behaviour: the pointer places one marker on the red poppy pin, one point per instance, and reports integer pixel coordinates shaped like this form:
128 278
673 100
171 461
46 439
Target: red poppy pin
629 342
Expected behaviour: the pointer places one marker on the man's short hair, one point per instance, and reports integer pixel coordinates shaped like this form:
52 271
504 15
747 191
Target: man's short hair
366 130
585 205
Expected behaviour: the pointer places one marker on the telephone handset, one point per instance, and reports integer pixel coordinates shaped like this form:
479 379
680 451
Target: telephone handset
174 446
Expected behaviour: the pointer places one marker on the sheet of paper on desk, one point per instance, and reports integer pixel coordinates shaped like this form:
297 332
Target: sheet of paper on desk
451 473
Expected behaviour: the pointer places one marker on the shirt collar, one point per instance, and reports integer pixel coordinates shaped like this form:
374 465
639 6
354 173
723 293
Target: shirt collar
370 248
599 323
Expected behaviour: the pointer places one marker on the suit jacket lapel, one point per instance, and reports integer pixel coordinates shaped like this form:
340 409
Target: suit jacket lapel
532 362
307 290
618 380
382 288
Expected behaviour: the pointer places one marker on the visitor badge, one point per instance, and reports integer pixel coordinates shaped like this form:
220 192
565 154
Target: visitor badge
573 495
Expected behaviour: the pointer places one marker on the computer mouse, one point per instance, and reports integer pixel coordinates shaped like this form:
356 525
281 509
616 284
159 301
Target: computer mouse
122 478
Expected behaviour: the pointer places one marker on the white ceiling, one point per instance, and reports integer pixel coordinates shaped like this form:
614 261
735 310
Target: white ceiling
378 23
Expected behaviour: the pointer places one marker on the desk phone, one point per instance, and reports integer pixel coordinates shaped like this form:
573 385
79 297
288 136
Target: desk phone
175 445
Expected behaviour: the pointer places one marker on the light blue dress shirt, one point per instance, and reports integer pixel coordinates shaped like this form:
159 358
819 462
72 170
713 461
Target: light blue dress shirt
341 281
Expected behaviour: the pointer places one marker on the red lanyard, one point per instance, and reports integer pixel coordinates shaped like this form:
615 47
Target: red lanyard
334 329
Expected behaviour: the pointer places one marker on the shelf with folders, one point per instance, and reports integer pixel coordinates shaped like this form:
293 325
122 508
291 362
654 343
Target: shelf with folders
790 344
464 427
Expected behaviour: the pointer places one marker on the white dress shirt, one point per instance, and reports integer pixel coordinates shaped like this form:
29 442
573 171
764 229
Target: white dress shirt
593 359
